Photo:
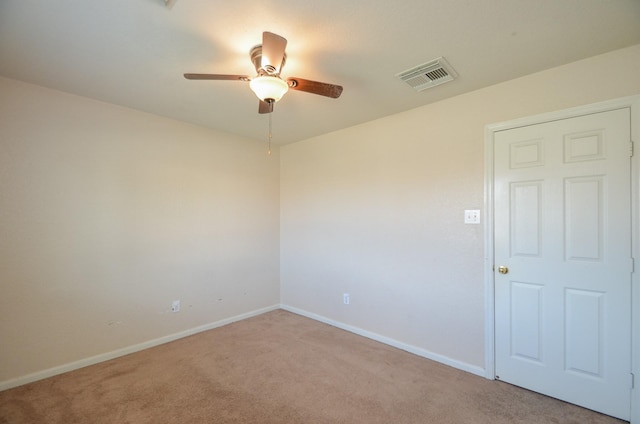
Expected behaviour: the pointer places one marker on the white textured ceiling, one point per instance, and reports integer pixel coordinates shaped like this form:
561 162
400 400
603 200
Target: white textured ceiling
134 52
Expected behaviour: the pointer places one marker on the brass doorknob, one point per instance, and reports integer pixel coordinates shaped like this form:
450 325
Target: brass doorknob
503 269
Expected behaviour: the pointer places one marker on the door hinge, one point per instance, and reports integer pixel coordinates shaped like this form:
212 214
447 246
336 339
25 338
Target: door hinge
633 265
632 380
631 148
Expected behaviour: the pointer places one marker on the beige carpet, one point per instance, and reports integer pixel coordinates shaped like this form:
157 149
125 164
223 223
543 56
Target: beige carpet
279 368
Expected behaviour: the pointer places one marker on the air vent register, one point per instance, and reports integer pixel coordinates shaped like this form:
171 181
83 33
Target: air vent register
428 75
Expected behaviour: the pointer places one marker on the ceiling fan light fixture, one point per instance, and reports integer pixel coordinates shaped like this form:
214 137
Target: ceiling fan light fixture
269 88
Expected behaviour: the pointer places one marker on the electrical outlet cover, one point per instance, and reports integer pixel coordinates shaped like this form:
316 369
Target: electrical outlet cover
472 216
175 306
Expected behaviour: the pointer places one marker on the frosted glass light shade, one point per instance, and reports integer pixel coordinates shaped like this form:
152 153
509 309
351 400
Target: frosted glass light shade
268 87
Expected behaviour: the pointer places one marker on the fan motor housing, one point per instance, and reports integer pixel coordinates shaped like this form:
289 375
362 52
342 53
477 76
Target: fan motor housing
256 59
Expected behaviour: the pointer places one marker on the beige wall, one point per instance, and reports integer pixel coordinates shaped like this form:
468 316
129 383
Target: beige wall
376 210
108 215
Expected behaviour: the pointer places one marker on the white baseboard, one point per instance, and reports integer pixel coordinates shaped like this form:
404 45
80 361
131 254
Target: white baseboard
479 371
40 375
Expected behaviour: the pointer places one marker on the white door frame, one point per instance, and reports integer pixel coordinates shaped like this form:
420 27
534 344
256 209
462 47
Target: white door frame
633 103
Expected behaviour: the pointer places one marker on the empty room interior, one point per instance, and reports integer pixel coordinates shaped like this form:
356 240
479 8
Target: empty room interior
152 194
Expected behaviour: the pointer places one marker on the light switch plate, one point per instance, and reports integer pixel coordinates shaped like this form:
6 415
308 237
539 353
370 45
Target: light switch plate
472 216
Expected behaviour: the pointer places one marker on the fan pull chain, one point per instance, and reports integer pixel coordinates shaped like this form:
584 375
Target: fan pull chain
270 134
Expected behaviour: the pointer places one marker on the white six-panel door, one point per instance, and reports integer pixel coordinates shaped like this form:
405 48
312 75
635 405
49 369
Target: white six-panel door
562 225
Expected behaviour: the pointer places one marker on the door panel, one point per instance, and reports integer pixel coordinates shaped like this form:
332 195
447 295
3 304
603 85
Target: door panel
526 207
583 328
563 229
583 218
526 321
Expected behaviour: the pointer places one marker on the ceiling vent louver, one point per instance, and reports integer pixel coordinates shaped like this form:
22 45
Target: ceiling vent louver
428 75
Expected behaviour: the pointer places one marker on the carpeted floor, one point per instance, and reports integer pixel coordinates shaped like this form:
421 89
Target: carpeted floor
279 368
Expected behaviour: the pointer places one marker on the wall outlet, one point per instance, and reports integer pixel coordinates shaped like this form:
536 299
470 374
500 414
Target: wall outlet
345 298
472 216
175 306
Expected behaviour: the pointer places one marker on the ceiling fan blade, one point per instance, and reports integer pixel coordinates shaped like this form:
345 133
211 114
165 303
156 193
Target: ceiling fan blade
315 87
273 47
265 107
217 77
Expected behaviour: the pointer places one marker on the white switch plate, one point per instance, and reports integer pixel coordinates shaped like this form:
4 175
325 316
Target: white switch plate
472 216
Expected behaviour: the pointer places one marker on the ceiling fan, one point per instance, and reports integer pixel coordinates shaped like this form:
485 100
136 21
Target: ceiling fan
268 58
